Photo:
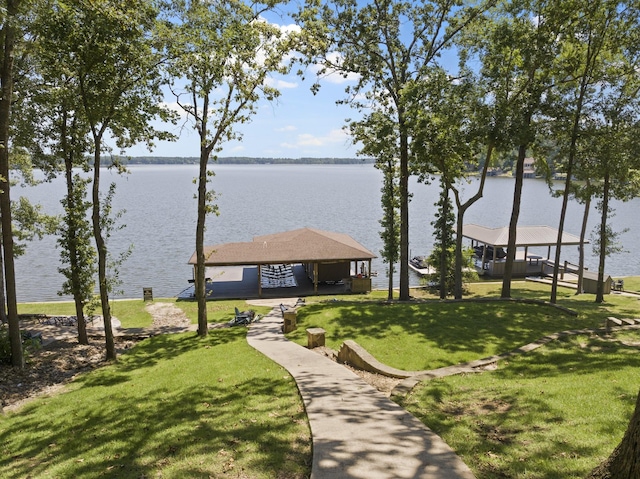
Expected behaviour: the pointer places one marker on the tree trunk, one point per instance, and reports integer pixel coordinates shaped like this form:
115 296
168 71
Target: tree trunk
404 209
444 241
563 214
624 461
101 246
73 254
72 242
3 298
390 211
457 288
575 132
6 80
462 209
604 238
583 233
200 286
513 223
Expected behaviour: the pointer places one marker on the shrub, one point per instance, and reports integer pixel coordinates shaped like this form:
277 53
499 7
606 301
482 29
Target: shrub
5 345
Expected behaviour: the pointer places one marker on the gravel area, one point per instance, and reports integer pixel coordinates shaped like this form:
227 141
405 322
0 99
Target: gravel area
167 315
384 384
51 367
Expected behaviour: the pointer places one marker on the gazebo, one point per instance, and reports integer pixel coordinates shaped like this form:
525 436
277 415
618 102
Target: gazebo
490 243
325 255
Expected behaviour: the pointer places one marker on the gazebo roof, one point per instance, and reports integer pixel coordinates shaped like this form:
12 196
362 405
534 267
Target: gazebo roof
304 245
525 236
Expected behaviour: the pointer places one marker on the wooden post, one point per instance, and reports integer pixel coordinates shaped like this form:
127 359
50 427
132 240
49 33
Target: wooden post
315 277
315 337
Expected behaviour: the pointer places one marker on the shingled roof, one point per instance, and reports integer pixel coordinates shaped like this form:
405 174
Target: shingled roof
304 245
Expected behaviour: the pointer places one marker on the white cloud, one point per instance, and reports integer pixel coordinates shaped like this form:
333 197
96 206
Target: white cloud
174 106
291 28
332 75
286 128
280 84
307 139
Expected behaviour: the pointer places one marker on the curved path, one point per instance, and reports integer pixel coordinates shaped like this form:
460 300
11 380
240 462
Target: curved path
357 432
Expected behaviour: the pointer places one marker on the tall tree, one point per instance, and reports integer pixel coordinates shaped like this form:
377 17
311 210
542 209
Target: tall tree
452 126
109 51
517 46
390 223
222 55
10 36
617 150
580 70
442 257
77 254
60 141
379 133
388 45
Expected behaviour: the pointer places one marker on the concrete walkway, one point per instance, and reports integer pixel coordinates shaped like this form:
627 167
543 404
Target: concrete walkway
357 432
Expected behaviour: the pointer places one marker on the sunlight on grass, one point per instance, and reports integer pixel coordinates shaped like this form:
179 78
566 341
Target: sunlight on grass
132 313
553 413
175 406
178 406
433 334
219 311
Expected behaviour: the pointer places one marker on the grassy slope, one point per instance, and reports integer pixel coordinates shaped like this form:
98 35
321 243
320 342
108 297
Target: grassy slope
433 334
552 413
174 406
132 314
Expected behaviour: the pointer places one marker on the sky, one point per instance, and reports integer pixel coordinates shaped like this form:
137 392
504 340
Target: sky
298 124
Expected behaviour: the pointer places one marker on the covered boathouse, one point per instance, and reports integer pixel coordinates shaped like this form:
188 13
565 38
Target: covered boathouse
490 245
291 263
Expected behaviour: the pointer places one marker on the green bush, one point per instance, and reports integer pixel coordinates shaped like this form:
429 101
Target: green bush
5 345
29 344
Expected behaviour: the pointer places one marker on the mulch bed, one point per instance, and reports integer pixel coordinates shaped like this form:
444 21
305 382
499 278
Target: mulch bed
50 367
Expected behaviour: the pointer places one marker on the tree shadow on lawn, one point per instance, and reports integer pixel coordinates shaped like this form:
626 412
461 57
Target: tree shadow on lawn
575 355
519 416
136 429
471 328
157 348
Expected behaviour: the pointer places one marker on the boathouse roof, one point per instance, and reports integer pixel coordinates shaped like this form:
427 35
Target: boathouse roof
525 236
304 245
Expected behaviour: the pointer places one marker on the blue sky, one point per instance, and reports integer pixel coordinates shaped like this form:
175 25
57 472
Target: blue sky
299 124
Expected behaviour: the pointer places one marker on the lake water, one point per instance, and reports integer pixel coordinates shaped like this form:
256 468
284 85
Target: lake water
256 200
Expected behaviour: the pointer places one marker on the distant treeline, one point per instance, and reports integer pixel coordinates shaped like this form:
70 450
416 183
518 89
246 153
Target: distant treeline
239 160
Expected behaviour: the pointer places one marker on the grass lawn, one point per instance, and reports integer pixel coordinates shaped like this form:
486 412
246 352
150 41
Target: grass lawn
219 311
178 406
555 413
175 406
132 313
433 334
